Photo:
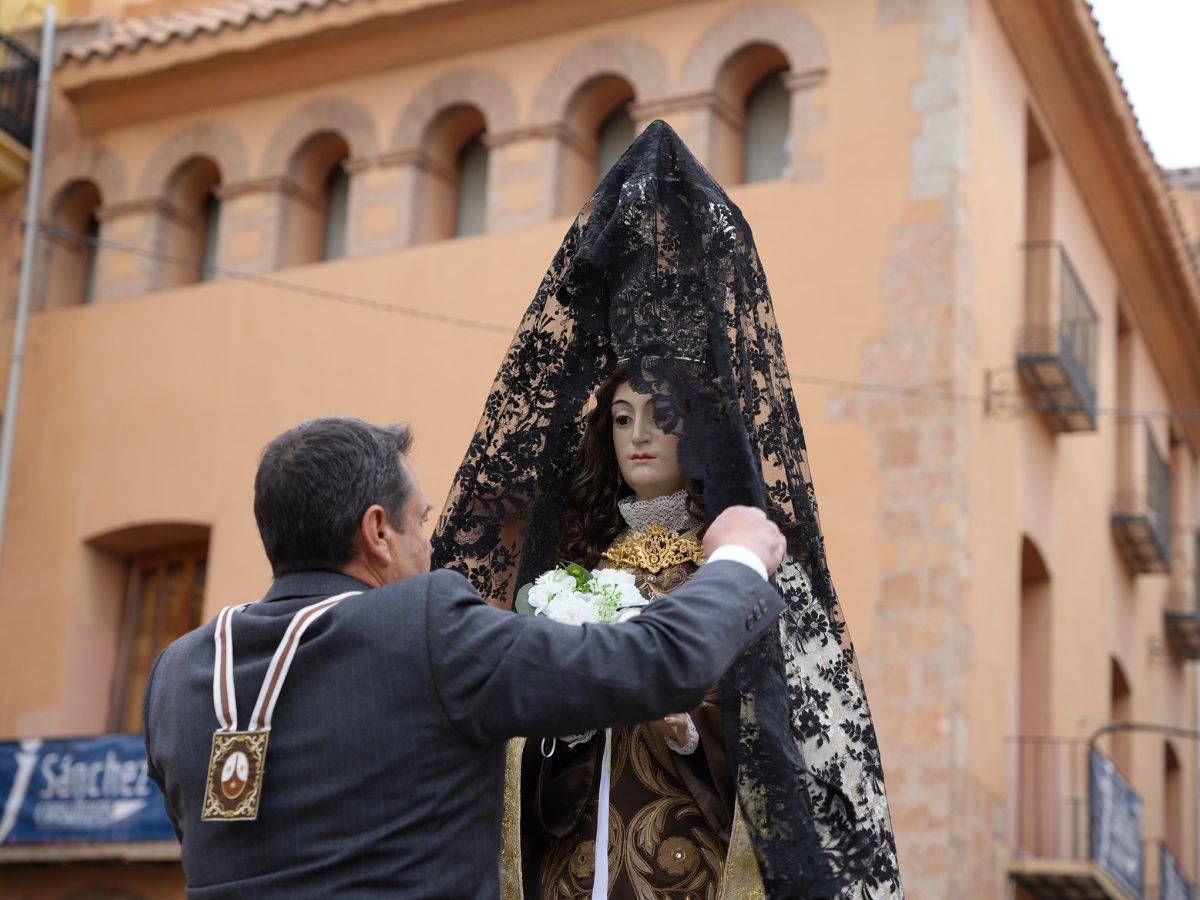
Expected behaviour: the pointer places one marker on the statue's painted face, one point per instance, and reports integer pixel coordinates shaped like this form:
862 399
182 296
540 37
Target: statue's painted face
648 456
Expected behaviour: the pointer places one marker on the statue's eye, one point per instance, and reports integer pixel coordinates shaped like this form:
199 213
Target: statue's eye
622 420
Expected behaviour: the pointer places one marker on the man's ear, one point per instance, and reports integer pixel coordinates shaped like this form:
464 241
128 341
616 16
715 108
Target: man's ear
373 536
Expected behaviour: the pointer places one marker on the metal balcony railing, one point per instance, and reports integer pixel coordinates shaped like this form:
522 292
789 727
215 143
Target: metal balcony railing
1172 881
18 90
1056 347
1182 618
1142 516
1076 823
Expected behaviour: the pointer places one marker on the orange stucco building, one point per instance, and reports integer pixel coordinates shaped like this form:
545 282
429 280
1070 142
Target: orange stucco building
263 212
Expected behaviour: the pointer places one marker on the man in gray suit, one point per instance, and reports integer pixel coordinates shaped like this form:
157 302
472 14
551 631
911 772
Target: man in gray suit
386 764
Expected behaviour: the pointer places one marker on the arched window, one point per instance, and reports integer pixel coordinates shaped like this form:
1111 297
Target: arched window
600 128
316 210
337 199
1035 699
71 248
768 131
470 214
1035 810
615 135
752 139
454 175
210 217
1121 710
192 222
1173 800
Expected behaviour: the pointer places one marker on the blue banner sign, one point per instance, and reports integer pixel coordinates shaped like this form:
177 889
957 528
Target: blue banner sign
1116 825
1172 883
90 790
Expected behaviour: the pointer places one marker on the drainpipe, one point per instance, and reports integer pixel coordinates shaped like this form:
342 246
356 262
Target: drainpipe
32 206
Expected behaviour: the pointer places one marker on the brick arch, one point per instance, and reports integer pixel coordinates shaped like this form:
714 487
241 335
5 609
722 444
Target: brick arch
221 144
482 88
96 164
341 115
794 33
627 57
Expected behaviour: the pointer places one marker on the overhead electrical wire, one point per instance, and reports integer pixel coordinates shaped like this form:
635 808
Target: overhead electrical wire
263 280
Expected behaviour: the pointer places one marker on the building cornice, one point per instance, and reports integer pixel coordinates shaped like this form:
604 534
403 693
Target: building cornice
185 35
271 55
1074 82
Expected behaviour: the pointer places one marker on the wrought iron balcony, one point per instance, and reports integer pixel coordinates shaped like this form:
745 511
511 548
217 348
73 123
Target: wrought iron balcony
1172 881
1141 517
1076 824
1182 618
18 90
1056 347
1183 633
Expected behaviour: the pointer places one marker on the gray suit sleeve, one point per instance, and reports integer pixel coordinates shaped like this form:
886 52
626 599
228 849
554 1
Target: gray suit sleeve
151 767
500 674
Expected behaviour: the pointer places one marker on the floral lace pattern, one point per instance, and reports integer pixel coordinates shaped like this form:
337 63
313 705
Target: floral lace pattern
832 724
660 269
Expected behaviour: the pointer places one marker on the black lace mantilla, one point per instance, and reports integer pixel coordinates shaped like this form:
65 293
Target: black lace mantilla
659 272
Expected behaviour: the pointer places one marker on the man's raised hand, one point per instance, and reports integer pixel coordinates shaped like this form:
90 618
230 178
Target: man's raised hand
749 527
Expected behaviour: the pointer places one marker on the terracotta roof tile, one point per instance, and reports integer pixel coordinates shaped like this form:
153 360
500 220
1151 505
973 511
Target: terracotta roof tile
1188 176
130 35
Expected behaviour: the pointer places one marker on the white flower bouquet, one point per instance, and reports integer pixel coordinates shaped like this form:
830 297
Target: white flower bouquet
574 596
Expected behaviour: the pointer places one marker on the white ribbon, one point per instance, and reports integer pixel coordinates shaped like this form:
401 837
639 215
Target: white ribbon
600 882
224 698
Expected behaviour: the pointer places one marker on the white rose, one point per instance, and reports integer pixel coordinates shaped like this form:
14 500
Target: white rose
572 608
622 586
631 596
555 580
539 595
613 576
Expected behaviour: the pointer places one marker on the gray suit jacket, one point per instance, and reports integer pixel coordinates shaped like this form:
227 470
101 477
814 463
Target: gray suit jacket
385 769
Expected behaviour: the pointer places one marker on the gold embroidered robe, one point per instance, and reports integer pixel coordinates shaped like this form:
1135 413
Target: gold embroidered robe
674 832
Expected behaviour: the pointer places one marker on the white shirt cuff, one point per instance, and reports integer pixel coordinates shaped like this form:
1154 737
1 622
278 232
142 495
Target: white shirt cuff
739 554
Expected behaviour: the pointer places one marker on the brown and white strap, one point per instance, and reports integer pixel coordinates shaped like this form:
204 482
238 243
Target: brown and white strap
224 698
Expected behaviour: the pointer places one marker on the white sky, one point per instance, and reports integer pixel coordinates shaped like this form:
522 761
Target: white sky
1156 45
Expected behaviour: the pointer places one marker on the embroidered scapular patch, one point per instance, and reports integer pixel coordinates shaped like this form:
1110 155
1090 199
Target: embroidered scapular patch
235 775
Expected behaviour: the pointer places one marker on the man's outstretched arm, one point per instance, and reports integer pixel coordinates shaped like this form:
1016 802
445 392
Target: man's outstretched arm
501 675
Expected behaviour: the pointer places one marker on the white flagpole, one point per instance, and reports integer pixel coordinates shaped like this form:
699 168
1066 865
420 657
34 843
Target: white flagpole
32 206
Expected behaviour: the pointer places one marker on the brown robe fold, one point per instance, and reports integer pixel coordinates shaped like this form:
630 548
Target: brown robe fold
670 815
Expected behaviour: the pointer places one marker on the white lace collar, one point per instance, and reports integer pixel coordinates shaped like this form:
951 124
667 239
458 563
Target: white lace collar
671 512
